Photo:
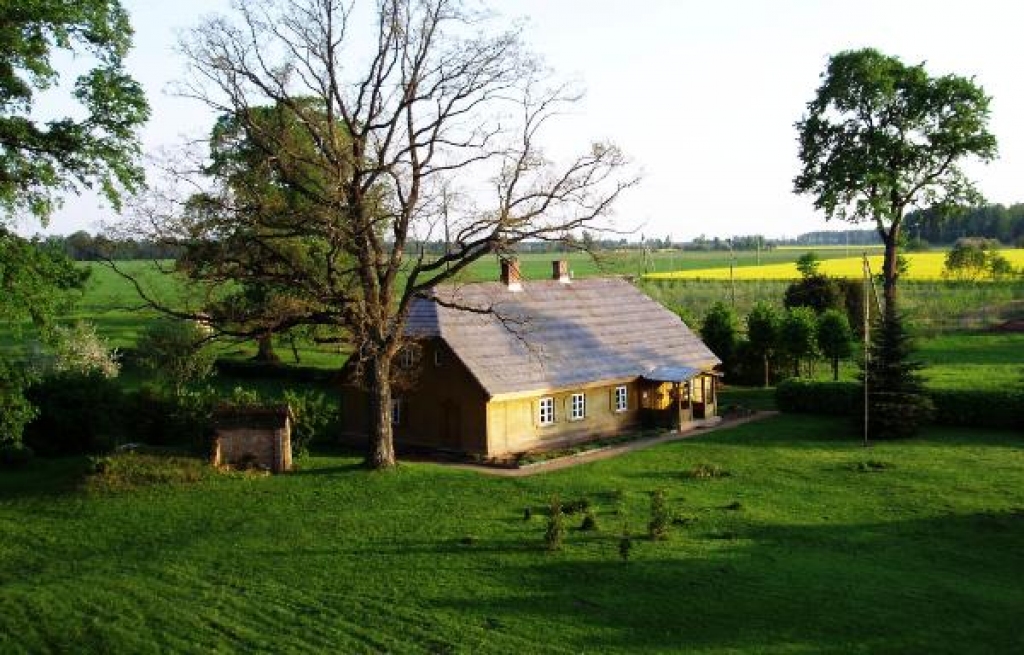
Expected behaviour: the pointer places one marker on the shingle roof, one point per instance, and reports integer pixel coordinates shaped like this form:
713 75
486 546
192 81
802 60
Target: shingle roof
552 335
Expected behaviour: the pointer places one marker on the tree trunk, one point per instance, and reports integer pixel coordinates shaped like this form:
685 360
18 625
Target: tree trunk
796 367
265 348
766 370
890 270
835 369
381 451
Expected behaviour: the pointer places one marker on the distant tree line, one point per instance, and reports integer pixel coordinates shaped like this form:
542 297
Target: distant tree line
84 247
1005 224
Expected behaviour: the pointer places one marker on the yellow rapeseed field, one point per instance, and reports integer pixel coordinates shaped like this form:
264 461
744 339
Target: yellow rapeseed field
924 266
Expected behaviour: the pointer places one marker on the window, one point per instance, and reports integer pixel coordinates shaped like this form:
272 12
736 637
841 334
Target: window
547 411
621 399
396 411
579 407
437 357
407 357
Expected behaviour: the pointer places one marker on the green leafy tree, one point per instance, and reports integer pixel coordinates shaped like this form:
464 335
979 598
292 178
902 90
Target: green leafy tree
763 327
176 351
15 409
835 338
967 260
819 292
808 264
999 267
880 137
719 331
409 127
798 336
93 145
38 281
897 405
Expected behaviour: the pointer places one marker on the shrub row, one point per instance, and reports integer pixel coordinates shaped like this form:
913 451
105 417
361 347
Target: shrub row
987 408
89 414
802 396
249 369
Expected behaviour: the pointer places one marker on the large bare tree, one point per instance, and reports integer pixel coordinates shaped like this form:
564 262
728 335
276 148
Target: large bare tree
404 120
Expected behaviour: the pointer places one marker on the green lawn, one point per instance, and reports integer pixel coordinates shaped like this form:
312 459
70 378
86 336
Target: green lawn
966 360
796 551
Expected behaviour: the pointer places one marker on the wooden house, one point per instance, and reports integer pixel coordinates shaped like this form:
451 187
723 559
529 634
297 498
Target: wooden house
538 364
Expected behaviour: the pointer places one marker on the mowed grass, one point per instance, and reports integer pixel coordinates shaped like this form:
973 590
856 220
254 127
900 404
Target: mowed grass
924 266
809 544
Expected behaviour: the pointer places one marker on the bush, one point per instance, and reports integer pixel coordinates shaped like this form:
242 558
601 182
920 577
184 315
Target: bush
554 534
317 419
978 407
801 396
78 349
249 369
986 408
176 351
15 456
819 292
79 413
156 416
657 528
15 409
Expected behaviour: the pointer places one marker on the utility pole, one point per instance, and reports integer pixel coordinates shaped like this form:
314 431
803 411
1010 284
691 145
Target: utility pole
867 340
732 272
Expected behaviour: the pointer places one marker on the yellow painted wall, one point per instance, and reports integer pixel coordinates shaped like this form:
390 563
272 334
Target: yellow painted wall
514 425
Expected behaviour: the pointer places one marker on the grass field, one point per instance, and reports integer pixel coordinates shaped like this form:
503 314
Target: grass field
960 361
811 544
923 266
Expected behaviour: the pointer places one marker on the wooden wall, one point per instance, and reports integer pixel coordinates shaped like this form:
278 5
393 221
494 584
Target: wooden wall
514 425
442 406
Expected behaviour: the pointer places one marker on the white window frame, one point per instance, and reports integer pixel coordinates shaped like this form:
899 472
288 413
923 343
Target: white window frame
578 407
621 398
546 411
396 411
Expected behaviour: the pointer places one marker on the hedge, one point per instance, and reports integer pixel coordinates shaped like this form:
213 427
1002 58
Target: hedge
801 396
969 407
249 369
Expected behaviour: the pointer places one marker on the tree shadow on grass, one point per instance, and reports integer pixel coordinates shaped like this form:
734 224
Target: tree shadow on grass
44 478
943 584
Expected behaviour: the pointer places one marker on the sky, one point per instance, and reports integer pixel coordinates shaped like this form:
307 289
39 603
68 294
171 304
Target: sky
702 96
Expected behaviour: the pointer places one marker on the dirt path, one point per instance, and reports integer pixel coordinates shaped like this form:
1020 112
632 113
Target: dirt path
609 451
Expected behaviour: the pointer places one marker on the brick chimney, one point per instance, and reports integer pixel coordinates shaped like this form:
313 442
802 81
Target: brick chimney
560 271
510 274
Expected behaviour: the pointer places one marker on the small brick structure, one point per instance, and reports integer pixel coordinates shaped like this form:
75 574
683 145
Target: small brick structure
253 437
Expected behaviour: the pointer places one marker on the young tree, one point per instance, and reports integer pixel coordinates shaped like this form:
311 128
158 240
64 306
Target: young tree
797 335
835 338
718 330
967 259
97 143
763 334
425 123
880 137
808 264
897 405
177 351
